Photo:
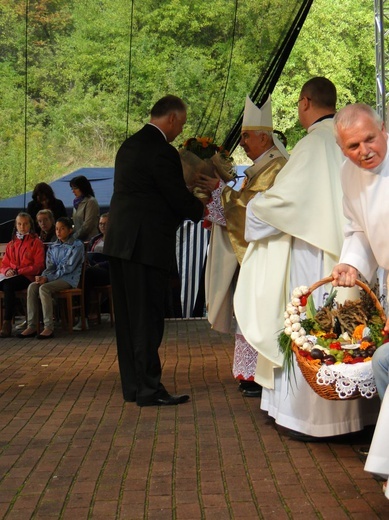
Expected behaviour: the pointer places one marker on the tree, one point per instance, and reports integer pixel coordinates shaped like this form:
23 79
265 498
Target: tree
70 92
336 41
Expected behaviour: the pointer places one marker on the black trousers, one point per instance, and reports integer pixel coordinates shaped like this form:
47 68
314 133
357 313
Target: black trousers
9 286
94 277
139 293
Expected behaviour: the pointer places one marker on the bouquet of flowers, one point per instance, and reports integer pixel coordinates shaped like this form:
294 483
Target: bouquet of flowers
333 345
202 155
203 147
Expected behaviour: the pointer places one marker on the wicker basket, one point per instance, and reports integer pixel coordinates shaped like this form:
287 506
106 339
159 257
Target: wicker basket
310 370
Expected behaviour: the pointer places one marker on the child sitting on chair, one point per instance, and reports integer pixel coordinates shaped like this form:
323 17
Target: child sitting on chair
64 260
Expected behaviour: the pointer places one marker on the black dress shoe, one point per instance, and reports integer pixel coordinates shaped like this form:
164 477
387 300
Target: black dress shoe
364 450
303 437
252 392
250 388
165 400
21 335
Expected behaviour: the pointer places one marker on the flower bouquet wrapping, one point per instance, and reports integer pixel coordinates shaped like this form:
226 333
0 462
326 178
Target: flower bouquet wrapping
333 345
202 155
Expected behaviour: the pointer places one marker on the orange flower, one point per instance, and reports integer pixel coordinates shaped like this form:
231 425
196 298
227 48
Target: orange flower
365 344
204 147
204 141
358 331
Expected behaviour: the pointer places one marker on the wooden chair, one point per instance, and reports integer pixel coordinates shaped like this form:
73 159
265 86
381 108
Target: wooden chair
73 300
100 292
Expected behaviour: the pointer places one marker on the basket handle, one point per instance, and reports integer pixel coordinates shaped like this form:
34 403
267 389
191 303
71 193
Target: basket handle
363 286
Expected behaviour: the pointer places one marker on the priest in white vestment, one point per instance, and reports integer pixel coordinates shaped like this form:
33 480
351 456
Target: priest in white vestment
362 136
227 212
295 230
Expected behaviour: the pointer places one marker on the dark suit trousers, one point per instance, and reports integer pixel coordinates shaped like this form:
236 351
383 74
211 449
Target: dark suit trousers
139 293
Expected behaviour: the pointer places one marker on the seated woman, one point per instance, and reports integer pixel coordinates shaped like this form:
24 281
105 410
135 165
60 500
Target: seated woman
43 198
64 260
46 223
97 272
86 209
24 258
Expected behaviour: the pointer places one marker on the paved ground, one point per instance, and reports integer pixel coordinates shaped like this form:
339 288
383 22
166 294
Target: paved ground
72 449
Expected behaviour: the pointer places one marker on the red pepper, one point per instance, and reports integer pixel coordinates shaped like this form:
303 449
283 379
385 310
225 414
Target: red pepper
336 345
358 359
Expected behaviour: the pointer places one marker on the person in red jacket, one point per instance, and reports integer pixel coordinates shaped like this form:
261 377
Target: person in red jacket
23 260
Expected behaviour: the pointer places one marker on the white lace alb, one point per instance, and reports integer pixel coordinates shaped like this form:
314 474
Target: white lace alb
215 207
245 359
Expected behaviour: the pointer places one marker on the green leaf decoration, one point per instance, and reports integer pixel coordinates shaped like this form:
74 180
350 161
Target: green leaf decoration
285 346
330 298
311 309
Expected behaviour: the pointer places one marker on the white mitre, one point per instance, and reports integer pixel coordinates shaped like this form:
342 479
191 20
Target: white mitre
255 118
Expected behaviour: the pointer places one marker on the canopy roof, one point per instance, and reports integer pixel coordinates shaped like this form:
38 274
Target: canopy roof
100 178
102 184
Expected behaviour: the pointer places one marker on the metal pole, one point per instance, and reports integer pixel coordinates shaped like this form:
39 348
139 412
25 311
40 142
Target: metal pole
381 57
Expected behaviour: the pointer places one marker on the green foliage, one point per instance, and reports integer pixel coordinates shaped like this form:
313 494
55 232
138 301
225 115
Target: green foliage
309 325
376 327
64 91
336 41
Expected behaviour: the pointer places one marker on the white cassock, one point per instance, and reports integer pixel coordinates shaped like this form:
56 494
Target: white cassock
378 459
366 194
365 203
295 231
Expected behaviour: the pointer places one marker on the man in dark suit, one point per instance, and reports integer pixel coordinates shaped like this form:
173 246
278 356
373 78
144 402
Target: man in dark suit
150 200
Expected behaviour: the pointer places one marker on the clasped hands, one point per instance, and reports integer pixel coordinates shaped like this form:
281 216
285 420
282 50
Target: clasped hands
40 279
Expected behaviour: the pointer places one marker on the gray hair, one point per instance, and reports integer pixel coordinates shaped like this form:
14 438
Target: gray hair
350 114
266 132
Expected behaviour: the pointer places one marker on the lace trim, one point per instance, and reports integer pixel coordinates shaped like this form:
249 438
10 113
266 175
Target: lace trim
348 379
215 208
245 359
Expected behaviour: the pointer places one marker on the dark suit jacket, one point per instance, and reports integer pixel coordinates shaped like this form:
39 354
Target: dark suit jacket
149 201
